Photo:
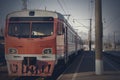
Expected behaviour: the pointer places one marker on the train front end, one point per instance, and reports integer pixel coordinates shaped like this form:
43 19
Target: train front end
30 43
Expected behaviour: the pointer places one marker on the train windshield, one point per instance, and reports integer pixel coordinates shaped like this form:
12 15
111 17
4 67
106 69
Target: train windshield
19 29
30 29
42 29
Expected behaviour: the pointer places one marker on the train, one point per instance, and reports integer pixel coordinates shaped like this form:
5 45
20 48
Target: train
37 40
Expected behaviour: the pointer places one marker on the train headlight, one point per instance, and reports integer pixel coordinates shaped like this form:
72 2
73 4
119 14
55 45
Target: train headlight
12 51
47 51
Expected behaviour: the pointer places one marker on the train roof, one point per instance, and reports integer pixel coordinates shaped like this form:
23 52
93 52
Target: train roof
37 13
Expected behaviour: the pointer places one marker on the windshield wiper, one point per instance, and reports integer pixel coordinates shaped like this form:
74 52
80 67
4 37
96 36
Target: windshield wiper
39 36
20 36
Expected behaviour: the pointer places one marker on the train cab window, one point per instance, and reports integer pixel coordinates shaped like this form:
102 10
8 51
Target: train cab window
61 29
19 29
31 27
43 29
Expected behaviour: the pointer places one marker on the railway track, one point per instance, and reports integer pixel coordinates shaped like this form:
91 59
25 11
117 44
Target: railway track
58 71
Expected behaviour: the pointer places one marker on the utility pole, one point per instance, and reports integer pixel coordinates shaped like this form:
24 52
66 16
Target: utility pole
90 35
98 37
24 4
114 41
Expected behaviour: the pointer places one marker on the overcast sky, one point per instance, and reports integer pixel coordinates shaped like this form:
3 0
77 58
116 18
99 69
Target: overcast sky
80 11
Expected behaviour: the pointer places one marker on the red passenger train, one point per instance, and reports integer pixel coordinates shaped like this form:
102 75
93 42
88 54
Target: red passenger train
35 41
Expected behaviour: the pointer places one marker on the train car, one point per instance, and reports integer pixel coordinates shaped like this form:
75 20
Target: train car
36 40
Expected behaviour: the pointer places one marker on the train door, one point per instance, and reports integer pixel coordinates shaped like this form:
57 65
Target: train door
62 43
76 44
66 43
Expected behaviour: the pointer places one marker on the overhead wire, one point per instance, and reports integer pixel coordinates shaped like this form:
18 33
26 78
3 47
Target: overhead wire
65 10
60 3
90 9
61 6
80 23
112 21
65 5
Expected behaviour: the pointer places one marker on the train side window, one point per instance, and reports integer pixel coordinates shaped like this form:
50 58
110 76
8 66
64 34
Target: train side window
58 30
61 29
